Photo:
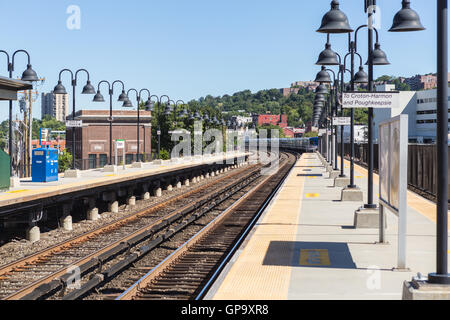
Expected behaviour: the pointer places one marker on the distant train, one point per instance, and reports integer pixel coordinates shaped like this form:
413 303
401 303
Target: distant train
302 144
299 144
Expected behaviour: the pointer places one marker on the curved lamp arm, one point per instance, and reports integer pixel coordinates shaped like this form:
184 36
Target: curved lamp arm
76 75
356 35
159 103
7 59
65 70
137 94
144 90
164 96
117 81
104 81
14 55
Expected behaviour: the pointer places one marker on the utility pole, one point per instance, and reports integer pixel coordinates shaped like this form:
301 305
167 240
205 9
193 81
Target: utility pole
28 132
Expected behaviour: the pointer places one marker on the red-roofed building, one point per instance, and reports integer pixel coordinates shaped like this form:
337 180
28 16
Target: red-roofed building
276 120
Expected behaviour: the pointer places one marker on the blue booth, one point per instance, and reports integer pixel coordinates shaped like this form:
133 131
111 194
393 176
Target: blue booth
45 165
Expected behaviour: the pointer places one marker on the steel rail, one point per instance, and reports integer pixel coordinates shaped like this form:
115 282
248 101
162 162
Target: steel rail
66 245
160 268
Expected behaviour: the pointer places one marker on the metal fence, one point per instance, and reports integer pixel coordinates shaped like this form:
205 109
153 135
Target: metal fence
101 162
422 165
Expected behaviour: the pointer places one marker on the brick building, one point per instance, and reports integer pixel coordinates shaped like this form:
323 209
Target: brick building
92 140
276 120
422 82
296 86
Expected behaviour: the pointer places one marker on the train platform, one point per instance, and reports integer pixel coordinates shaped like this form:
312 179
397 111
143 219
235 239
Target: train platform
305 246
89 179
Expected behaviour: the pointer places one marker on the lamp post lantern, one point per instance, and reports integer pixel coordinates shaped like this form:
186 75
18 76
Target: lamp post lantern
128 104
99 98
87 89
28 75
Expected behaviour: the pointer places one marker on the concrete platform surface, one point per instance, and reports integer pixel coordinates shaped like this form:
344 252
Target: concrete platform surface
306 248
29 191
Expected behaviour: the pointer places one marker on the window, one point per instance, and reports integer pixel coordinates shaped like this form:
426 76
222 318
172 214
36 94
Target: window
426 121
129 158
103 160
92 161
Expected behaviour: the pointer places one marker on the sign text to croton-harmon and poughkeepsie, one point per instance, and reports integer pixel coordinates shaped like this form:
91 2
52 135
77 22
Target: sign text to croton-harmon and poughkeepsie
371 99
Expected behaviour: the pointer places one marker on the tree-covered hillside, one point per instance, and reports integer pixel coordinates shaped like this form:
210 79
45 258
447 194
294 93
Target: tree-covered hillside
298 107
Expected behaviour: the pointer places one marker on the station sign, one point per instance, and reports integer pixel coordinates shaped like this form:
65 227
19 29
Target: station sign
341 121
120 144
385 99
74 123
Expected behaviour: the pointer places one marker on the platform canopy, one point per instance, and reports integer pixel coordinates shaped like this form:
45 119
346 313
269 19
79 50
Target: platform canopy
9 88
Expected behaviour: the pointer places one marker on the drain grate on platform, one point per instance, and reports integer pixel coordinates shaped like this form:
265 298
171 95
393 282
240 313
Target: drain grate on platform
310 175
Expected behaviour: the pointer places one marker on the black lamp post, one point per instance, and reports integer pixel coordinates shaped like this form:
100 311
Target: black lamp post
87 89
333 113
28 75
408 20
128 104
183 114
441 276
99 98
150 107
336 22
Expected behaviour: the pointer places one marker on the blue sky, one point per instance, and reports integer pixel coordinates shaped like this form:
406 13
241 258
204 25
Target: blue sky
189 49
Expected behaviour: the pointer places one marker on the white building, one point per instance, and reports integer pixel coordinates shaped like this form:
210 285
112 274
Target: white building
421 109
242 121
55 105
426 115
360 134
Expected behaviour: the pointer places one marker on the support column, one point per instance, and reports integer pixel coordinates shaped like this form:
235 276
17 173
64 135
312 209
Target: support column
145 194
33 233
158 192
113 205
131 201
66 220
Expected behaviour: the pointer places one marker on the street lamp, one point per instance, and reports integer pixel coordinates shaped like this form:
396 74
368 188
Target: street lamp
408 20
28 75
99 98
149 107
183 113
335 21
333 113
441 276
60 89
128 104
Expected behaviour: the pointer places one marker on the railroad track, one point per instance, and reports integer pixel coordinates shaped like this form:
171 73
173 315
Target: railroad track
46 271
191 268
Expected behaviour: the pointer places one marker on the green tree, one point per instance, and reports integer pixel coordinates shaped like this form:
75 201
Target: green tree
65 161
311 134
269 128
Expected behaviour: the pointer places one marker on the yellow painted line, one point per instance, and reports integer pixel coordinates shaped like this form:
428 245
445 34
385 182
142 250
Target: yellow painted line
250 278
314 257
312 195
359 177
312 177
17 191
111 175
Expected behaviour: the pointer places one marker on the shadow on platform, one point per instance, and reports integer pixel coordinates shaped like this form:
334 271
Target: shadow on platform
309 255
